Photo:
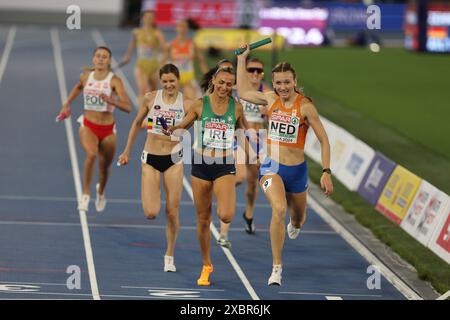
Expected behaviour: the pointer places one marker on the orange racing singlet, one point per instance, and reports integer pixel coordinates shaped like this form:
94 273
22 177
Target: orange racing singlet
286 126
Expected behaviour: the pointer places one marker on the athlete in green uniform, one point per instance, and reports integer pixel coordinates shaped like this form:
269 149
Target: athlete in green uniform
213 167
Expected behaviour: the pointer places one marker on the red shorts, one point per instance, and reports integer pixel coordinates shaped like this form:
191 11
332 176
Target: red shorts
101 131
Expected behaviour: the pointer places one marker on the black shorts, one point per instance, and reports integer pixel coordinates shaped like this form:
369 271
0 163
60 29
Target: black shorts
161 162
211 169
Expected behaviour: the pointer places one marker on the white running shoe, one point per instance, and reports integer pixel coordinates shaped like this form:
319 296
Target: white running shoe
169 265
292 231
100 200
224 242
275 277
83 205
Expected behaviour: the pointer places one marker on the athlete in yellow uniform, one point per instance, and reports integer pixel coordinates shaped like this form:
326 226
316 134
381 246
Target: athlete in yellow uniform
151 45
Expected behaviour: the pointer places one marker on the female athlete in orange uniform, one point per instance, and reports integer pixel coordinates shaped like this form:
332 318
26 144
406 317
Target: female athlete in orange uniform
182 52
283 173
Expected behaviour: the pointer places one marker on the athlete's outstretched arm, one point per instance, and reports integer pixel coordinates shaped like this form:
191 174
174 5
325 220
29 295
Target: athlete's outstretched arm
244 88
131 45
309 111
193 114
136 126
73 94
188 104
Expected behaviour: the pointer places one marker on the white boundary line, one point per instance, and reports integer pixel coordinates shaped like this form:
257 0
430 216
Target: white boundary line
333 294
161 288
96 35
73 159
33 283
444 296
363 251
137 226
113 296
7 51
111 200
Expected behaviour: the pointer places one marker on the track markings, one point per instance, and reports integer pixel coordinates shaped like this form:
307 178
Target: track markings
74 161
332 295
396 281
7 50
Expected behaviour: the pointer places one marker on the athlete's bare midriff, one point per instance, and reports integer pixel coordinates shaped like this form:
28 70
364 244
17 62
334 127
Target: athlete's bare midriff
286 155
161 145
102 118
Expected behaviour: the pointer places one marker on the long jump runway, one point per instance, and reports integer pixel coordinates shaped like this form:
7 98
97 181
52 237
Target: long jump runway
119 253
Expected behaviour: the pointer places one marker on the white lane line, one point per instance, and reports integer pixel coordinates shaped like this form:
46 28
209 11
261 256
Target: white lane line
363 251
49 293
100 41
112 200
333 298
34 283
73 159
332 294
36 198
91 225
138 226
444 296
7 50
161 288
154 297
89 295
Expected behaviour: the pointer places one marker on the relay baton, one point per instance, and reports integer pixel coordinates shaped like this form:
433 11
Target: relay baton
62 116
253 45
163 122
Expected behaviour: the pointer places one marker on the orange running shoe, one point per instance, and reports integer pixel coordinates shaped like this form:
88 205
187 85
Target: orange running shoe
204 277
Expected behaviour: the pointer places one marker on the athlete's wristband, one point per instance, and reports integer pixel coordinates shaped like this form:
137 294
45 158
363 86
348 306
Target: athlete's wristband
327 170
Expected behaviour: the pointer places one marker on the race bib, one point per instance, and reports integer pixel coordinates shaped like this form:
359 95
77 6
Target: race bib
171 117
93 101
283 128
146 51
252 112
218 135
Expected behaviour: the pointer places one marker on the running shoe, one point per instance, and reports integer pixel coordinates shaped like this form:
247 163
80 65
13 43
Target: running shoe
249 226
275 277
292 231
100 200
169 265
224 242
83 205
204 277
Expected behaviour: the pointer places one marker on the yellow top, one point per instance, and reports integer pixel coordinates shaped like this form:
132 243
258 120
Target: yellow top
147 44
